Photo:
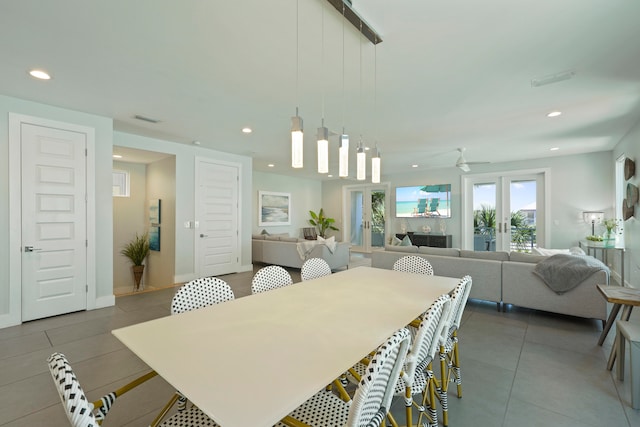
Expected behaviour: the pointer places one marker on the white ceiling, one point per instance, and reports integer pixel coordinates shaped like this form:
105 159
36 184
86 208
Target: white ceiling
448 74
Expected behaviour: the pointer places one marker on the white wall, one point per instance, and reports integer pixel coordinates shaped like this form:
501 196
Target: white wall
161 184
128 219
306 195
630 146
103 204
185 158
578 183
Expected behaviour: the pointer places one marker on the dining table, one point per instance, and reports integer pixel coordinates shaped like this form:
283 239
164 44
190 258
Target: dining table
252 360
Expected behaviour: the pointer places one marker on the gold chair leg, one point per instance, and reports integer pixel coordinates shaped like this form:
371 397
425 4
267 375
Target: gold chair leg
165 409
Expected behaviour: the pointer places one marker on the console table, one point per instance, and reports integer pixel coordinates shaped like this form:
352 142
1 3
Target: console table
593 247
427 239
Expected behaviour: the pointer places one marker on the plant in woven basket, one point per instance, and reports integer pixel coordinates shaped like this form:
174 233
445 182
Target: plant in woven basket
137 250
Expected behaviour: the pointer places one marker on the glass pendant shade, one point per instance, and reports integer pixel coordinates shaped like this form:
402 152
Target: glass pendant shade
375 168
296 142
361 161
343 156
323 150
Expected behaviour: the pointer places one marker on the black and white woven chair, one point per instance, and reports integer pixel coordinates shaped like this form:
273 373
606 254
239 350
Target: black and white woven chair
269 278
417 375
372 398
413 264
82 413
313 268
449 349
193 295
200 293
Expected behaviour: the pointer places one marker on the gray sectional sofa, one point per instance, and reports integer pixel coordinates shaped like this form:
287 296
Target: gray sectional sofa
284 251
505 278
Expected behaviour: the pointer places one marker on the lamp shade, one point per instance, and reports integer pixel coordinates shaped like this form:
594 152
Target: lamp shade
375 167
296 142
323 150
343 156
361 163
593 217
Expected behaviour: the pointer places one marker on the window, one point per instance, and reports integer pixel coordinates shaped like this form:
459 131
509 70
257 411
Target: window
120 186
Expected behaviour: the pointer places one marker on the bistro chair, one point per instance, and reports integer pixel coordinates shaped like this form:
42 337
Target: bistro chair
449 349
200 293
372 398
314 268
413 264
193 295
82 413
269 278
417 373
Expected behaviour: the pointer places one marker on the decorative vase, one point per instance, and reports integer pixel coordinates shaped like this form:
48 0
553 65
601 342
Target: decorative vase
609 239
137 275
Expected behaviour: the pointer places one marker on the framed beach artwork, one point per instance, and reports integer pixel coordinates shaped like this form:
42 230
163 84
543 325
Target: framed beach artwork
274 208
154 238
154 211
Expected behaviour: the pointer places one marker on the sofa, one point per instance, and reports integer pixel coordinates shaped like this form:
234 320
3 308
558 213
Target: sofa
506 278
293 252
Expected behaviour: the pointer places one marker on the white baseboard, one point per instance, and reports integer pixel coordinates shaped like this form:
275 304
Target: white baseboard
107 301
7 320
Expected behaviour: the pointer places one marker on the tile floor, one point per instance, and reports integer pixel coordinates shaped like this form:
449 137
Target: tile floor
520 368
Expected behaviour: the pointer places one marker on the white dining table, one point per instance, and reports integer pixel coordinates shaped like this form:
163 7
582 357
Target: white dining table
251 361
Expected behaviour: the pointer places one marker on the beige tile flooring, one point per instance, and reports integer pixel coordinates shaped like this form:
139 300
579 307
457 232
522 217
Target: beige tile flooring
520 368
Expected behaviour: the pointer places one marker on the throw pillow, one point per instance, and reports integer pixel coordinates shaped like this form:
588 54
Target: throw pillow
330 243
406 241
395 241
265 232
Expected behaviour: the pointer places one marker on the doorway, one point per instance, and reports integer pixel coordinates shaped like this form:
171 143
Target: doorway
366 208
505 212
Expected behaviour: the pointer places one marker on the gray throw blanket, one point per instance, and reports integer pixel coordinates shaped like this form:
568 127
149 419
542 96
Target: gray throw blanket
564 272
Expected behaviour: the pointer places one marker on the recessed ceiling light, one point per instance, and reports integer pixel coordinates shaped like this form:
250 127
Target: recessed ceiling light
247 130
554 149
39 74
414 166
554 114
330 176
271 165
117 156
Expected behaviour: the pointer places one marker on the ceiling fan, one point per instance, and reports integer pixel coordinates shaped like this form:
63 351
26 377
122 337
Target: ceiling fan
462 162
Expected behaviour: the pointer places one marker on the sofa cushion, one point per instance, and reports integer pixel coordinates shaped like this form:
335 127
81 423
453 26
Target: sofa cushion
410 249
526 257
495 256
271 237
406 241
439 251
258 236
288 239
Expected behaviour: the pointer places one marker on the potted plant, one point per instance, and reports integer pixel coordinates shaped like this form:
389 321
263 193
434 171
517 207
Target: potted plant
322 223
137 250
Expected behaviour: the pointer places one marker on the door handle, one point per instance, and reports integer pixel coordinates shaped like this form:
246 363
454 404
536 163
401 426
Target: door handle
31 249
204 235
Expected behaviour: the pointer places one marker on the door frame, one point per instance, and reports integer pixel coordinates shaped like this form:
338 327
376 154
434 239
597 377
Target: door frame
14 317
346 210
544 214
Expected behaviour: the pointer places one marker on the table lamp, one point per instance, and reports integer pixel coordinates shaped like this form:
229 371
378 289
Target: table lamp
594 217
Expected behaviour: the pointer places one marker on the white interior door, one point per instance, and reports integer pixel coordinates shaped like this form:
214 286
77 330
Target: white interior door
217 234
54 221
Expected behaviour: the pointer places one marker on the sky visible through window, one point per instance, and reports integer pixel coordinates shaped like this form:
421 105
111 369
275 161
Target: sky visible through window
523 195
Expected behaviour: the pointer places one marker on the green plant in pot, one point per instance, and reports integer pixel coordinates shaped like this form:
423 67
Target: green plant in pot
322 223
137 250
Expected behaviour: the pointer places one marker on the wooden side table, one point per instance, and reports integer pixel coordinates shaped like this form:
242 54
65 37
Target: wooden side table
620 297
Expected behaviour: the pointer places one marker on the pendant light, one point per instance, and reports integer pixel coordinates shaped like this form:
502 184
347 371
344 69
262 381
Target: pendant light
375 159
343 150
361 157
361 161
297 142
323 132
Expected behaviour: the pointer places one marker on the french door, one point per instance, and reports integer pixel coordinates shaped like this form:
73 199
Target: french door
504 212
366 208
